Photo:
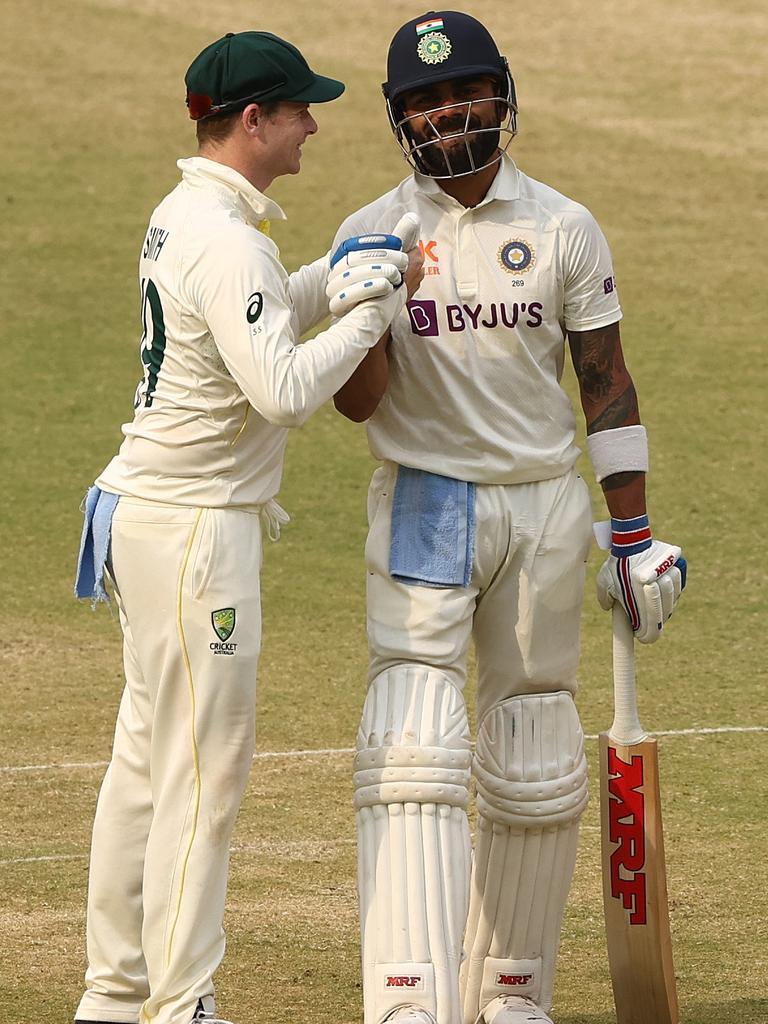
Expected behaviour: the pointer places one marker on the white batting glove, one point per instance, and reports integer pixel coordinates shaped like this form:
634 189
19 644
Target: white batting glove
407 230
370 266
364 274
646 576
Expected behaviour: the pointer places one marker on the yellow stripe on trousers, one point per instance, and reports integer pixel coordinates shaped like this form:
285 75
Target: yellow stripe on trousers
195 758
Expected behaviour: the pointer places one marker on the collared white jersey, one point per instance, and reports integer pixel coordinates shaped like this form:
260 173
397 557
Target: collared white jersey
223 373
476 358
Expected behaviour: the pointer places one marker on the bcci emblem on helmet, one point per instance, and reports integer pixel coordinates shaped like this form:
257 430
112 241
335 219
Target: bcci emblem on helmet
434 48
223 621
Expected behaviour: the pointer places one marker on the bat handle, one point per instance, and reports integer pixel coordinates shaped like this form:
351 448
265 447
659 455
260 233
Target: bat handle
626 729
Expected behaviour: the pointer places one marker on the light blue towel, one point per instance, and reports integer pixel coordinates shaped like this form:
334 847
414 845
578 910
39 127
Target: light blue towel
94 544
433 530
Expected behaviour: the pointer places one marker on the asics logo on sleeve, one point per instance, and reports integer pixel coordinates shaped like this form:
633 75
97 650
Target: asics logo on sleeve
255 307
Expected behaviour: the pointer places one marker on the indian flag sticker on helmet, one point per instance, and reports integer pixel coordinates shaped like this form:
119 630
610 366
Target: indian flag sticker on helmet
517 256
434 48
432 25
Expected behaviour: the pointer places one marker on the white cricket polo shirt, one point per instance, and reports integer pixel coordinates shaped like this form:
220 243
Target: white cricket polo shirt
476 359
223 373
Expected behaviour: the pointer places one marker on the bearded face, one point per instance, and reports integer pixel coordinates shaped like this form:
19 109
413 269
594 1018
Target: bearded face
458 143
453 128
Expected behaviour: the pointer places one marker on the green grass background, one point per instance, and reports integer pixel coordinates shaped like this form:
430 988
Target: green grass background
652 114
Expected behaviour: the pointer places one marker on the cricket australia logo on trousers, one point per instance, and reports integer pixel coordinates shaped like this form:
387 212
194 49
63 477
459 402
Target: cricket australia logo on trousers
223 622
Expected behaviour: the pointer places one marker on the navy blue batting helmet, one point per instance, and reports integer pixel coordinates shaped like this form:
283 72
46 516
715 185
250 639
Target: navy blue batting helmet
438 46
441 46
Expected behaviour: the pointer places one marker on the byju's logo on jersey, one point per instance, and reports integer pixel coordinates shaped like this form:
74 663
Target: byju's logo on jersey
516 256
456 318
223 622
423 317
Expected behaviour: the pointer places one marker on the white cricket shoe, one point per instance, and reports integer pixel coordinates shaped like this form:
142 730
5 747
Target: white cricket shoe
409 1015
514 1010
206 1017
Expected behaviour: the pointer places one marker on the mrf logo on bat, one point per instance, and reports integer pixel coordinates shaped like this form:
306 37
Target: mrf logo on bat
627 831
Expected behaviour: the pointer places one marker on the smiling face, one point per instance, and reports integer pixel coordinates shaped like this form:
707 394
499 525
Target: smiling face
453 126
284 132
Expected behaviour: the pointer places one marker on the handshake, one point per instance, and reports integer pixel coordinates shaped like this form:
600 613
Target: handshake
373 266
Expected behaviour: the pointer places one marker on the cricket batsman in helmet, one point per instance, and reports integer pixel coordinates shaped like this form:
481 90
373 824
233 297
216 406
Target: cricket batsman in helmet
479 530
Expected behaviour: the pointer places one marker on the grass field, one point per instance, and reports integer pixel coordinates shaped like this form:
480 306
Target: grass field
652 114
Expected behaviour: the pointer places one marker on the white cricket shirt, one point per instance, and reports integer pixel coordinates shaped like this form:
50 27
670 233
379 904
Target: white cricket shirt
223 373
476 358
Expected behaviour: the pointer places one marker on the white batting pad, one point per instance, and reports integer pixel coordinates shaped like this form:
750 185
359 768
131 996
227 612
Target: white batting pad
531 774
411 782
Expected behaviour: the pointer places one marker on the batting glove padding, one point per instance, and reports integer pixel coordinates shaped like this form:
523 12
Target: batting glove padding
363 274
370 266
647 576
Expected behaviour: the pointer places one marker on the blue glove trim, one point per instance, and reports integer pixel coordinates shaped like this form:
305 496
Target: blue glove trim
365 242
682 565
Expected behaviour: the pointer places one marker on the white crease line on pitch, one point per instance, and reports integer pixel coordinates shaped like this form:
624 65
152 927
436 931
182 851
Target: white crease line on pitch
268 846
701 732
278 755
37 860
266 755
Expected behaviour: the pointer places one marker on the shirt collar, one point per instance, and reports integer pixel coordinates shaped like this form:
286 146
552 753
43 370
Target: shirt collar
200 172
504 187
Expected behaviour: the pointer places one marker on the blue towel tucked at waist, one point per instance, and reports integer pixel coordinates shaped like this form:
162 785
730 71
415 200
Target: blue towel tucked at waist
94 544
433 530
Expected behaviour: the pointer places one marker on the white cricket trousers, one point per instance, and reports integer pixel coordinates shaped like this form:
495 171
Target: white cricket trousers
523 603
182 752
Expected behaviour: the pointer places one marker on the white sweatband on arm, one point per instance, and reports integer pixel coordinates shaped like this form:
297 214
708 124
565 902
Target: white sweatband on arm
621 450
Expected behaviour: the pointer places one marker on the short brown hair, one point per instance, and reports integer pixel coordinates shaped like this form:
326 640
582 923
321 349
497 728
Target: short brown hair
216 129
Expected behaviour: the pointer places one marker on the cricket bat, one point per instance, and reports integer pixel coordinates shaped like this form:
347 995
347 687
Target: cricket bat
634 872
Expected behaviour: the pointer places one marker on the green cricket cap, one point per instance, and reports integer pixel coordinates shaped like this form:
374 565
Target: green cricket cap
252 67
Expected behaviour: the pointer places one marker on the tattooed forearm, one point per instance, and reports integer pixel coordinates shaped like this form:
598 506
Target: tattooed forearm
607 393
593 357
618 413
595 371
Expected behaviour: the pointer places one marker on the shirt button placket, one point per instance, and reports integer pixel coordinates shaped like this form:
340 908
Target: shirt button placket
466 259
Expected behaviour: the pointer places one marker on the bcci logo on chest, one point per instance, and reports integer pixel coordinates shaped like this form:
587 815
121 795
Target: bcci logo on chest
516 256
223 622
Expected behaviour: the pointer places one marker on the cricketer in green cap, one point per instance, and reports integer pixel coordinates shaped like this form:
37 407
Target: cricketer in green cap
252 67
